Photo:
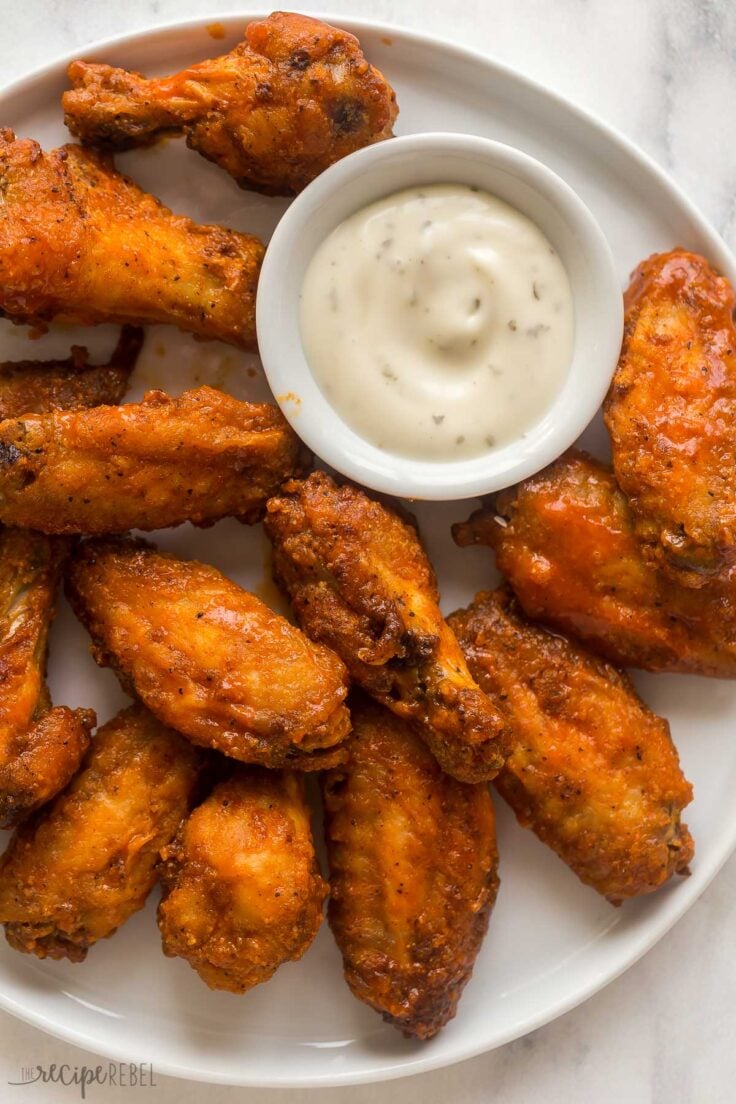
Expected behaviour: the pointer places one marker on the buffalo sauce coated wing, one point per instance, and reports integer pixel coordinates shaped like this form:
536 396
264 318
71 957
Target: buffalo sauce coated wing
566 542
671 413
80 242
39 386
85 863
360 582
40 747
591 770
145 465
413 873
242 892
295 96
208 658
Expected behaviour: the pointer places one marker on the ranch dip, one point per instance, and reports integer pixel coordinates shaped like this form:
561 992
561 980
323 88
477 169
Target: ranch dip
438 322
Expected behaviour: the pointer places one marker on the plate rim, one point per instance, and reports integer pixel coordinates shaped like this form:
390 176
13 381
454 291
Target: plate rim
721 850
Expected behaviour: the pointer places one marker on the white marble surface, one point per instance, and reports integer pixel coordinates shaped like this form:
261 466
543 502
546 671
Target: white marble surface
664 72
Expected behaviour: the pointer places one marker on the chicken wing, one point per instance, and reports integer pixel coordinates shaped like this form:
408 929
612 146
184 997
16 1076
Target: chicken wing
242 892
360 582
413 873
209 658
671 413
591 771
145 465
80 242
565 541
282 106
39 386
40 747
83 865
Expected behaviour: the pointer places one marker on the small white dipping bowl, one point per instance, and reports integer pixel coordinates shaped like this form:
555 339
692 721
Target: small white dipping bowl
423 159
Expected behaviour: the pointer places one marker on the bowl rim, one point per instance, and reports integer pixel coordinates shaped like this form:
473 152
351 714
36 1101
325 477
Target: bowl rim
321 426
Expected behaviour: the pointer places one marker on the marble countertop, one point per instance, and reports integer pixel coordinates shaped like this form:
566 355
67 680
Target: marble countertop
663 72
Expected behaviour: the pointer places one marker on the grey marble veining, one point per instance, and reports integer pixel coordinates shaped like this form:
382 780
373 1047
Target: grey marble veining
663 72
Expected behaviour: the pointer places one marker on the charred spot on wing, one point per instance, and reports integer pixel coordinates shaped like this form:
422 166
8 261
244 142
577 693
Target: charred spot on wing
300 59
418 646
347 115
9 454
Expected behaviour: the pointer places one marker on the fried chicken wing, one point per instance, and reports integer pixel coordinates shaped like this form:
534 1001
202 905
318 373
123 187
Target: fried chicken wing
671 412
282 106
84 864
209 658
145 465
413 872
39 386
565 540
80 242
360 582
242 892
591 771
40 747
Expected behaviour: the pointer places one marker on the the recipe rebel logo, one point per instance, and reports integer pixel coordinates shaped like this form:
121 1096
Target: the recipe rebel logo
122 1075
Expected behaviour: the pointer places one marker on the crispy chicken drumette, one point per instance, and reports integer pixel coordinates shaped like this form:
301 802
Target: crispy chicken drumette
565 539
40 386
413 872
286 103
80 242
147 465
591 770
360 582
208 658
40 746
671 413
242 889
84 864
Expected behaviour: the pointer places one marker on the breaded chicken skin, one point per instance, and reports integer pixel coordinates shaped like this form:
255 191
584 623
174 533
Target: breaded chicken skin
147 465
286 103
85 863
671 412
242 892
360 582
413 873
208 658
40 747
591 771
565 539
80 242
39 386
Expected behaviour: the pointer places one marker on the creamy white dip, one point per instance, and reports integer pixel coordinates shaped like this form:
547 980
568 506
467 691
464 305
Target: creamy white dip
438 322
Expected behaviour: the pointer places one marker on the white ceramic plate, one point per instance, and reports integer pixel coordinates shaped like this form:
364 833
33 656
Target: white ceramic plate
551 942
